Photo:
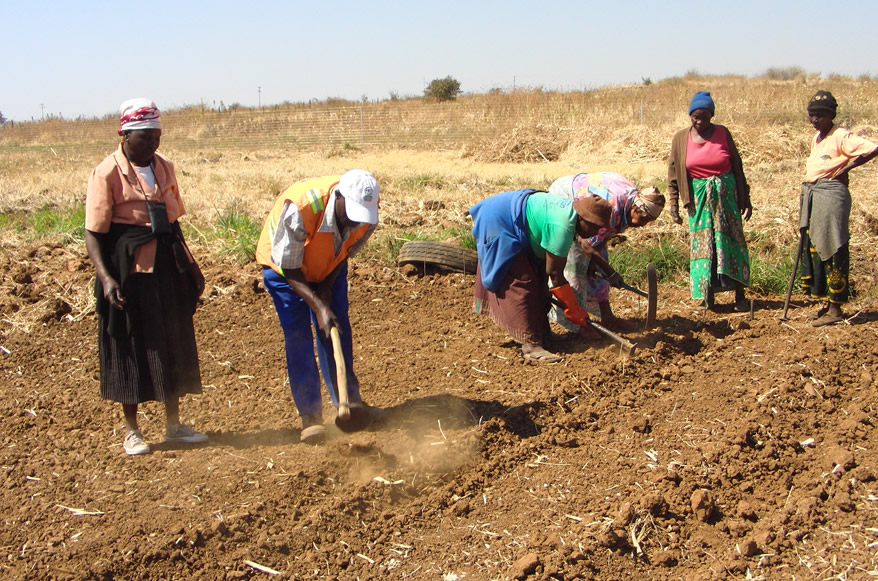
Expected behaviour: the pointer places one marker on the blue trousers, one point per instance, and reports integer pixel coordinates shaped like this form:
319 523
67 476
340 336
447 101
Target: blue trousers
296 320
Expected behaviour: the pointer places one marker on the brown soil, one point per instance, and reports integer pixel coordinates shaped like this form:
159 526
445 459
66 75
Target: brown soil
726 448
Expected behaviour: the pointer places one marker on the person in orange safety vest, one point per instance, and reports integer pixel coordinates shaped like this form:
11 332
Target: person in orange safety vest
312 230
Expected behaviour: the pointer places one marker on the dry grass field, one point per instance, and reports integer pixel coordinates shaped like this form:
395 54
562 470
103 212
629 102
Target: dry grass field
456 152
730 446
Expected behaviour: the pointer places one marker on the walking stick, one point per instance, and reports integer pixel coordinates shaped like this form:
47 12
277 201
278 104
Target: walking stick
786 303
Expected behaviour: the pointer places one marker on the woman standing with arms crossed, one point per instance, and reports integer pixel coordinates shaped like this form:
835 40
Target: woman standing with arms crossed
706 175
826 207
147 281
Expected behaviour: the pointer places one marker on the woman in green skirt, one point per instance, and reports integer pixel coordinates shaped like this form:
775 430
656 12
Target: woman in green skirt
706 175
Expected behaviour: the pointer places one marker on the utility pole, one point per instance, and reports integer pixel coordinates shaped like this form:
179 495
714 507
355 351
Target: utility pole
259 100
42 111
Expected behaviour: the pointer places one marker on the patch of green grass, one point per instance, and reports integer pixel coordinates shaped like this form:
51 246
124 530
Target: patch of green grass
237 233
420 182
70 223
395 242
770 268
670 258
770 271
462 235
48 221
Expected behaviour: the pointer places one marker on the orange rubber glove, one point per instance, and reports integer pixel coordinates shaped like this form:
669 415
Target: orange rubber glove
574 313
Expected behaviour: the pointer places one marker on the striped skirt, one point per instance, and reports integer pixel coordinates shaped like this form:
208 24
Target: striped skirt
158 360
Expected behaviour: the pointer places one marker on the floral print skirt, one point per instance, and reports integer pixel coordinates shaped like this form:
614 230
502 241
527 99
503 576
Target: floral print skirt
718 256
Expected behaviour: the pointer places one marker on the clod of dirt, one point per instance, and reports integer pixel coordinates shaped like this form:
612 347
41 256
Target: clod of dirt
654 503
840 459
806 506
56 310
23 275
641 425
748 548
702 504
525 566
614 538
666 558
864 474
220 528
627 398
626 514
746 511
842 501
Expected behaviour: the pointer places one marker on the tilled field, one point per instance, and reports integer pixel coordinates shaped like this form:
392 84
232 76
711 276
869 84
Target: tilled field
727 447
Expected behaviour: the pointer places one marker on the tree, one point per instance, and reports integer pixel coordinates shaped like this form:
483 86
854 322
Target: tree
2 118
446 89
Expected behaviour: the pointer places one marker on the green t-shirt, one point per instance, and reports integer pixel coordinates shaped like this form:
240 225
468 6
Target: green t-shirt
551 224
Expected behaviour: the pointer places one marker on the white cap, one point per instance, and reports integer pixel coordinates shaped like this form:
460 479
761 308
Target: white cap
360 191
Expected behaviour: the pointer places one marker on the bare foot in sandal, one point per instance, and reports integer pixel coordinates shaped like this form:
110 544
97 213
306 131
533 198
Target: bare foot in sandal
538 353
832 316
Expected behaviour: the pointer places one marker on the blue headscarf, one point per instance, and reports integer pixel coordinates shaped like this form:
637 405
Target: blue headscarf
702 100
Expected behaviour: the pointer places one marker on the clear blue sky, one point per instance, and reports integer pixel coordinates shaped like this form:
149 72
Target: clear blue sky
84 58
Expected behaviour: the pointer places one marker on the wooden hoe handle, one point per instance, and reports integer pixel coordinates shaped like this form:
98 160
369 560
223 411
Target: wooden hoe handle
341 376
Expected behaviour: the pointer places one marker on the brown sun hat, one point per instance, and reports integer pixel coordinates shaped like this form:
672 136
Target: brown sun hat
594 209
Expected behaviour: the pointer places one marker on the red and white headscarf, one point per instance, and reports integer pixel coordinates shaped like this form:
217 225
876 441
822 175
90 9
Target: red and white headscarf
139 113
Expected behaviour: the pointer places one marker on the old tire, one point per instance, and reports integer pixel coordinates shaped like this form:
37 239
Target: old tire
451 256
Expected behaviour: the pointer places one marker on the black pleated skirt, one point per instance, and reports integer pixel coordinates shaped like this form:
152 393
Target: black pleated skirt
158 359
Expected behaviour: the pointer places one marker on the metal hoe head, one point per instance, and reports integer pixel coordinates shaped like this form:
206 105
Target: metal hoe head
356 419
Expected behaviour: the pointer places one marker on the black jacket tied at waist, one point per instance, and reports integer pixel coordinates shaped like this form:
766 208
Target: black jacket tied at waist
118 248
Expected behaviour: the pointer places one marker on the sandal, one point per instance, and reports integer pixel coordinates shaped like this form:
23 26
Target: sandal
541 355
827 320
820 312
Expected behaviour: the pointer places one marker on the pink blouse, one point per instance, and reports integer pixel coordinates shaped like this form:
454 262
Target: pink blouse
711 158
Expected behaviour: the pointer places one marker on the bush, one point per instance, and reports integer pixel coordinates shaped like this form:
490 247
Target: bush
784 73
446 89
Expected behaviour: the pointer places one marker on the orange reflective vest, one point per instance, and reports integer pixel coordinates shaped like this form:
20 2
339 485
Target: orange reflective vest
310 197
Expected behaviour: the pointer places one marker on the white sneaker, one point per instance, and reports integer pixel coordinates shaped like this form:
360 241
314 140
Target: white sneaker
184 434
134 444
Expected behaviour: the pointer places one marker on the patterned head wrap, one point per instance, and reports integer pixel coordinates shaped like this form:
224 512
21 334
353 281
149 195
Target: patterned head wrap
823 101
139 113
612 187
649 201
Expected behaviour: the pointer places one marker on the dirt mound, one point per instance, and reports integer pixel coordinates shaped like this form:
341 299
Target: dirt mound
727 448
